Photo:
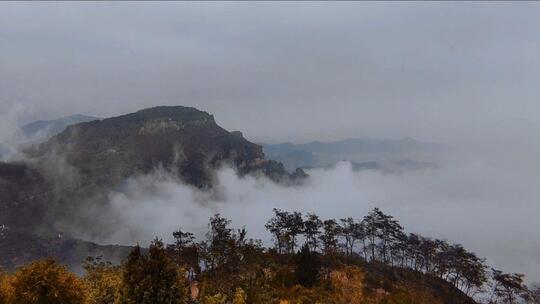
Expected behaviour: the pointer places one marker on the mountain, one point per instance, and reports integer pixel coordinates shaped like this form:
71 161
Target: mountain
398 154
45 129
69 176
353 146
182 140
85 162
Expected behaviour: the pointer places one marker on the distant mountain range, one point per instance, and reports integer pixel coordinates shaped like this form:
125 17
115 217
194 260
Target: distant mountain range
45 129
36 132
366 154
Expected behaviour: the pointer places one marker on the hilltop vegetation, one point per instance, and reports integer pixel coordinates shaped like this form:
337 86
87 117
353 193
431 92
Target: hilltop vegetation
312 261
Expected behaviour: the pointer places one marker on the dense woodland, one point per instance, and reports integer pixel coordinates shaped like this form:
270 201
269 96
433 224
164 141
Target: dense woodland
366 260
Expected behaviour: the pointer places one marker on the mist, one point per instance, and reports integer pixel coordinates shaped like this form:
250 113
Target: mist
12 139
464 201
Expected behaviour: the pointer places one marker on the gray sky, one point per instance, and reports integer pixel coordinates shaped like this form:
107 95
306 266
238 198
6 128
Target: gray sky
280 71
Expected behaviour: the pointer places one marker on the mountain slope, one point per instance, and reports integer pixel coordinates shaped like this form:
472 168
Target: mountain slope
25 196
18 248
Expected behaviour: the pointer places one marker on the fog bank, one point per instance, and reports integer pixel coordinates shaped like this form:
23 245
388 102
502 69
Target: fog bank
465 202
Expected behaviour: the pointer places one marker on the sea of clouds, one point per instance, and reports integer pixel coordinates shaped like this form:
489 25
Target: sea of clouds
465 202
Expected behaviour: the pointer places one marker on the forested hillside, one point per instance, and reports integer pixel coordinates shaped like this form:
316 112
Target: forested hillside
367 260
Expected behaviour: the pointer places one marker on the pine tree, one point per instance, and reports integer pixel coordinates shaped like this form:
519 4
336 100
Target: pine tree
312 230
307 267
152 278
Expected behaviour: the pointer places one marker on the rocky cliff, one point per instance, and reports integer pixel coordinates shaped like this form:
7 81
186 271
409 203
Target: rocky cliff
182 140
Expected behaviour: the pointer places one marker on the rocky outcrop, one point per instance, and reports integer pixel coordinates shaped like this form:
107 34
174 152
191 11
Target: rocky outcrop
182 140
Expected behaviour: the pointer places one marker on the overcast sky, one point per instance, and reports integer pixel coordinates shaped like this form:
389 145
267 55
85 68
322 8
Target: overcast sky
282 70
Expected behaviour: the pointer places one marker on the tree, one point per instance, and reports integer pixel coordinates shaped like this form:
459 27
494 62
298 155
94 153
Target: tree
307 266
220 242
427 250
151 278
312 230
215 299
372 225
507 287
186 252
294 226
329 237
5 287
464 269
413 250
382 231
351 231
103 281
535 293
277 227
398 249
239 297
389 233
46 282
441 259
285 227
474 274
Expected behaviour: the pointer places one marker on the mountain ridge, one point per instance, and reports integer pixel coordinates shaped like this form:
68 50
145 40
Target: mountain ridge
385 152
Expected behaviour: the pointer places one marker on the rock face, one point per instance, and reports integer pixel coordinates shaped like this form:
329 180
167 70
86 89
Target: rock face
182 140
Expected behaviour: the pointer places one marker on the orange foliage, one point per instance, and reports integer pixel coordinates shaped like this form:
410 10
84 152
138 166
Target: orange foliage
45 282
347 285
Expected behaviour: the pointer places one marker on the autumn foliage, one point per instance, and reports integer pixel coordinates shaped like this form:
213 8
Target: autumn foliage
43 282
364 261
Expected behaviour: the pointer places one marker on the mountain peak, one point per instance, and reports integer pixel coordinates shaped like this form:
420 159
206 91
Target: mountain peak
173 112
181 139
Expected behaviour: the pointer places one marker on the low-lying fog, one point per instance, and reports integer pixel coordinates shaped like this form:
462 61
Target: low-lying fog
487 204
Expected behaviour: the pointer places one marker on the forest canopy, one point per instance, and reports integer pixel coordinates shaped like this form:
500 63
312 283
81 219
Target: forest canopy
365 260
